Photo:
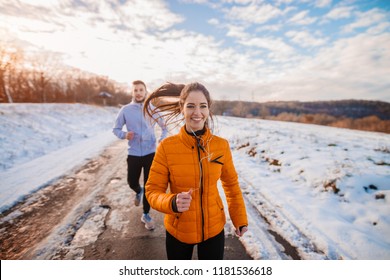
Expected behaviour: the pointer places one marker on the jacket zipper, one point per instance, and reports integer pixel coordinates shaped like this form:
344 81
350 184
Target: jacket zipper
201 184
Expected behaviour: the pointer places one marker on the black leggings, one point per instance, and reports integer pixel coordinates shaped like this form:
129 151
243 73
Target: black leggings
210 249
134 168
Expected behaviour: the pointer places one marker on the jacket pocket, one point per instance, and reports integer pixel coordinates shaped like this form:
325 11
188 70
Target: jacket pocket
220 204
221 209
176 220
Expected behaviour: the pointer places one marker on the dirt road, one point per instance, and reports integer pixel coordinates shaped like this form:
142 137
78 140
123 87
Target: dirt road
88 214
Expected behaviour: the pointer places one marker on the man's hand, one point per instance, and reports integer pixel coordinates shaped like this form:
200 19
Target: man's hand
129 135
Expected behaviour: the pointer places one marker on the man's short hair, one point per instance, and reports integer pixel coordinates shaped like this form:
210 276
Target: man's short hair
138 82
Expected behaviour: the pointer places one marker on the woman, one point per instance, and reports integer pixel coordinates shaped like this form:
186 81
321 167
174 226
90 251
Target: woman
183 177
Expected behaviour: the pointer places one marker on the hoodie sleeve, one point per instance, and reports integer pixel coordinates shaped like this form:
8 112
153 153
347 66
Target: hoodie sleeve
119 123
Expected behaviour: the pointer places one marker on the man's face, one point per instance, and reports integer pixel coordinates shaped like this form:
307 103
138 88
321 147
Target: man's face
139 93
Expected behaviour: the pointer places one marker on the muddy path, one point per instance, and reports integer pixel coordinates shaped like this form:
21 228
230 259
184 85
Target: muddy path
88 214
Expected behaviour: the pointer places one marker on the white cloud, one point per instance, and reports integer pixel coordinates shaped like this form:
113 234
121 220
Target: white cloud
270 27
367 19
214 21
241 2
340 12
305 39
236 31
281 2
275 45
302 18
117 34
323 3
379 28
141 40
356 67
254 13
195 1
351 68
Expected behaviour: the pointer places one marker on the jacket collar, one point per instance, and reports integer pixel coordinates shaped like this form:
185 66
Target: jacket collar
136 103
189 139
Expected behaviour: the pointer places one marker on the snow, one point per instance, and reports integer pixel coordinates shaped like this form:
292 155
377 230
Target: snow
41 143
350 224
283 170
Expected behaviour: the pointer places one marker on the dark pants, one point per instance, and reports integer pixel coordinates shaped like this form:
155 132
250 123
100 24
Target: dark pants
211 249
134 168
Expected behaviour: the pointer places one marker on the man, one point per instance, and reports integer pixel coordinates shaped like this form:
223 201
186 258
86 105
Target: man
141 144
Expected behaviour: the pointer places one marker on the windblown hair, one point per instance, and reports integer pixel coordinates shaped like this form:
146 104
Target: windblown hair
168 101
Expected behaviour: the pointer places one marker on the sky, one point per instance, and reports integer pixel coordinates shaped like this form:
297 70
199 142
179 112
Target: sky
353 224
252 50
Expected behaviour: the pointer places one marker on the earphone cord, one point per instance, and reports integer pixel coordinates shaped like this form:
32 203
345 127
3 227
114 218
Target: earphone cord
200 160
207 155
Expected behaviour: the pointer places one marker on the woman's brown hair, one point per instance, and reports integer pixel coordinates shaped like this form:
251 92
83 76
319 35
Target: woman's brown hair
168 101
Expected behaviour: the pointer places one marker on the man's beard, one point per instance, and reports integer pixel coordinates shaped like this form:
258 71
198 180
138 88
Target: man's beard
139 101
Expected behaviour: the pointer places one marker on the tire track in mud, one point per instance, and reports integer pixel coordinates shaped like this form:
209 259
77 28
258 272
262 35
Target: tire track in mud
46 221
88 214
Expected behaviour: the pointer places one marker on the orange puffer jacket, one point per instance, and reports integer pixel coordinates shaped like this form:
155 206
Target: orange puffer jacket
180 165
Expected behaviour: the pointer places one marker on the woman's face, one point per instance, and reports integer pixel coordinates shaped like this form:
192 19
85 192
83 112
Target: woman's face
195 110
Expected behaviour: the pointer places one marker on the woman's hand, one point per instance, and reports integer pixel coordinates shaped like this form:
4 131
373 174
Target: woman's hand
183 201
241 232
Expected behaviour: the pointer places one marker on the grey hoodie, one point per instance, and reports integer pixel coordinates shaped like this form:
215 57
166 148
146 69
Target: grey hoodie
144 141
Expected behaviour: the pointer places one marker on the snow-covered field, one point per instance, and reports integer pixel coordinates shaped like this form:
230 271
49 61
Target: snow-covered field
325 190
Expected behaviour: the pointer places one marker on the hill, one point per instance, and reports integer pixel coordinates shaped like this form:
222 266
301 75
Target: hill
354 114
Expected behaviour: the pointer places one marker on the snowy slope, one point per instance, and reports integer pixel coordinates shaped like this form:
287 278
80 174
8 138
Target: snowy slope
288 172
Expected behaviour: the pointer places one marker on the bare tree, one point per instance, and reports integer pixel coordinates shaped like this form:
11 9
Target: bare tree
9 57
19 86
45 67
239 109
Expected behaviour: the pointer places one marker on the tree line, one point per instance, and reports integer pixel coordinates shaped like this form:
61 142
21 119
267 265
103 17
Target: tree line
353 114
40 79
